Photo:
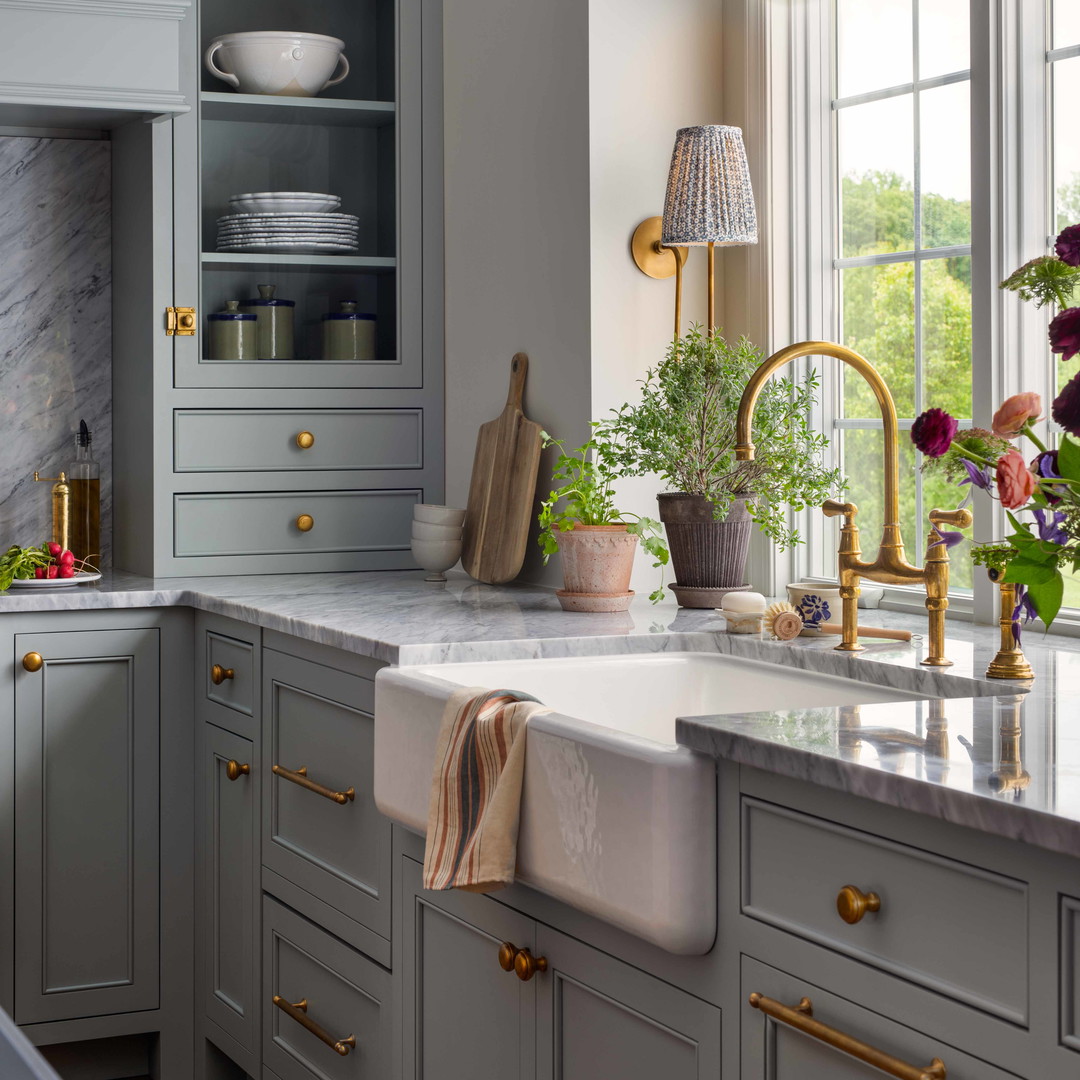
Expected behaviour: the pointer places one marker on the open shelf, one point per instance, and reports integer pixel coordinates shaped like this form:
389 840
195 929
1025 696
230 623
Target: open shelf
369 263
270 109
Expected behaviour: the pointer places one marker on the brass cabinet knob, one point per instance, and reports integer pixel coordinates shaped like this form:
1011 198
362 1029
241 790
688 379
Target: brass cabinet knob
186 320
507 955
33 661
305 523
526 965
305 440
234 770
852 904
219 674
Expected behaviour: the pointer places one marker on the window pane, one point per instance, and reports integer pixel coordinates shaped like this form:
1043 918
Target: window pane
877 170
946 335
1066 23
943 37
945 165
1066 143
879 323
873 45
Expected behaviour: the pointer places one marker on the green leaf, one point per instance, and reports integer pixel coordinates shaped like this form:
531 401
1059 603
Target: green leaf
1021 571
1046 598
1069 458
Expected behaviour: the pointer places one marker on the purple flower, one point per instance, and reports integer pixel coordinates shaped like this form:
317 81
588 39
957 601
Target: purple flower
1024 607
1067 247
1045 466
934 431
1065 333
979 477
946 537
1066 407
1051 530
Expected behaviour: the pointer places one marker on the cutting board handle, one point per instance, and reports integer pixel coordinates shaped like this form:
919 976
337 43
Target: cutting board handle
519 368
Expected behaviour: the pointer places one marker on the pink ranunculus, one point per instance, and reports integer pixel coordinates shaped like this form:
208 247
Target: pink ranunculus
1065 333
1015 481
1015 412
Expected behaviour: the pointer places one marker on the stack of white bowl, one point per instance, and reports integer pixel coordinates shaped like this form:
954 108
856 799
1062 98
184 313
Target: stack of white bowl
287 221
436 538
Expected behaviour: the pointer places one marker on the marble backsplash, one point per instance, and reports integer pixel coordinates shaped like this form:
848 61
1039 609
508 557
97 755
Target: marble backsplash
55 324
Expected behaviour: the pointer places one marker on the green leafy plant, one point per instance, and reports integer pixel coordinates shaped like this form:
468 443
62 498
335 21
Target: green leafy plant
47 561
586 497
683 428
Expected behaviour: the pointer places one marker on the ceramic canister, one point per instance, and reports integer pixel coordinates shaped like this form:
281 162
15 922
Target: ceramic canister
275 323
233 334
348 334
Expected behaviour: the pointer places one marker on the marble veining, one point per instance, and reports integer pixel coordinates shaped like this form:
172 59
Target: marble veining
55 323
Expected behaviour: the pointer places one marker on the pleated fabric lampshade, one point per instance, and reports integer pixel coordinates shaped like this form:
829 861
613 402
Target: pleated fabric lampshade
709 199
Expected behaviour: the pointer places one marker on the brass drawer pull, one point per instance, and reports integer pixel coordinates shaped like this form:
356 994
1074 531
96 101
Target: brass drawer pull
300 777
305 440
802 1019
234 770
526 965
507 955
33 661
852 904
298 1012
305 523
219 674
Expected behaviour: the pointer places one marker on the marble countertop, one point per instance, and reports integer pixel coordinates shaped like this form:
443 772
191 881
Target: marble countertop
976 752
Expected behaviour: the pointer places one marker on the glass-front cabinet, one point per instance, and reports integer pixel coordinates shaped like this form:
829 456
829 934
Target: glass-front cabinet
297 411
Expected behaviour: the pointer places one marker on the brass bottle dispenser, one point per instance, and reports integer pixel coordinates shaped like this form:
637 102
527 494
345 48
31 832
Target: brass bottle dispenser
61 507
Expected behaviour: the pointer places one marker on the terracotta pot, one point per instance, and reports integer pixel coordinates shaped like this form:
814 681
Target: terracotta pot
596 561
706 554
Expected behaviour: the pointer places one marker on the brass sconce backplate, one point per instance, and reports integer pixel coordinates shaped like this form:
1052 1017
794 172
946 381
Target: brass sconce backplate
650 256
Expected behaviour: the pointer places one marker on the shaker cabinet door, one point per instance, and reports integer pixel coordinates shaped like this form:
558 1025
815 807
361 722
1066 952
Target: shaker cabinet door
86 823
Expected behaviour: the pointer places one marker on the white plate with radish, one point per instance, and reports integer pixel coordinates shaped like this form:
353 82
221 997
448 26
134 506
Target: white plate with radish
81 577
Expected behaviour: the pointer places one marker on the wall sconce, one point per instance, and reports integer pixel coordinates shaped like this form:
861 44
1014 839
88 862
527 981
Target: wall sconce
709 201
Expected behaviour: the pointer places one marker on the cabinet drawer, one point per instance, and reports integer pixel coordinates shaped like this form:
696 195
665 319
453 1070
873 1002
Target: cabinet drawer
1070 972
331 841
936 916
269 523
268 440
346 995
230 672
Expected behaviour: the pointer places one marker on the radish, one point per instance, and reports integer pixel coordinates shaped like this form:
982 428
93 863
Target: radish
39 572
66 559
65 571
51 571
54 548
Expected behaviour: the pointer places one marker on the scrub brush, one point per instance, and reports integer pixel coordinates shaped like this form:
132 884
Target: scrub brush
782 622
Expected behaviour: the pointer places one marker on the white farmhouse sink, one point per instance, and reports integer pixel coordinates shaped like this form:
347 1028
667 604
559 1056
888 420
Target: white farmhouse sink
616 819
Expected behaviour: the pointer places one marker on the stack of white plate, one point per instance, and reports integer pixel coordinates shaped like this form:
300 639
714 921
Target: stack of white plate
287 221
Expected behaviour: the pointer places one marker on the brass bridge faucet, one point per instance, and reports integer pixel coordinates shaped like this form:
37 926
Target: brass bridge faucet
891 566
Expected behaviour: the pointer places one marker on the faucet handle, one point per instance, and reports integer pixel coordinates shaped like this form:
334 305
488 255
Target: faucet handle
832 508
959 519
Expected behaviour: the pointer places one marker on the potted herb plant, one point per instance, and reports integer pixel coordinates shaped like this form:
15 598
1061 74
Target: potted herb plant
580 521
683 428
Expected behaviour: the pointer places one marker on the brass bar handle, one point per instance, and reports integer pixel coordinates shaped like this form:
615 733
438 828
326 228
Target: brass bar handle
526 965
33 661
219 674
852 904
234 770
298 1012
300 778
507 955
801 1018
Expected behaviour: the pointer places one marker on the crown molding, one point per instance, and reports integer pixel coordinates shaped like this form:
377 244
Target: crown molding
174 10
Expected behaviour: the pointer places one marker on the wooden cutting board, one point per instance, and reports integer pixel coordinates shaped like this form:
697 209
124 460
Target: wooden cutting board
502 493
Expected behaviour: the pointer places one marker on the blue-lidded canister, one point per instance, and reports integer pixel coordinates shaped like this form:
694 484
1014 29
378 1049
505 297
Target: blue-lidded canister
275 323
233 334
348 334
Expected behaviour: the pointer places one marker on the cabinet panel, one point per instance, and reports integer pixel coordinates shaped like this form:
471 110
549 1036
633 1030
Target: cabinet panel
319 719
235 685
773 1050
86 823
600 1019
1070 972
344 993
465 1017
231 851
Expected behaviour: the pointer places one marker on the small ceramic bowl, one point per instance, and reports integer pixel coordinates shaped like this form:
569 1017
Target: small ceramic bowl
283 202
815 603
279 62
436 556
438 515
423 530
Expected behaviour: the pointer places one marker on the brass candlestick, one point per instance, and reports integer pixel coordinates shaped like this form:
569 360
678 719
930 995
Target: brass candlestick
1010 662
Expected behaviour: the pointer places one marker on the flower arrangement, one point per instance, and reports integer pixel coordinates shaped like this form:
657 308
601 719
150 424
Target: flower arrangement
1048 485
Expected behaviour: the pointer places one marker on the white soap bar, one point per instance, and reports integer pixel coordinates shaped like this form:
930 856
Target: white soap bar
743 601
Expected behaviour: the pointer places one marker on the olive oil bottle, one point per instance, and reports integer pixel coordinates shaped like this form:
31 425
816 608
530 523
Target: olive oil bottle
84 477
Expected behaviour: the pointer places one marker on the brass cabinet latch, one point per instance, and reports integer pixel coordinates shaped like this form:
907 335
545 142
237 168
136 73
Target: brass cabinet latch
180 321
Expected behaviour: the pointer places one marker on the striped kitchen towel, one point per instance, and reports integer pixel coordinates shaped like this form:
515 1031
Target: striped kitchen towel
475 800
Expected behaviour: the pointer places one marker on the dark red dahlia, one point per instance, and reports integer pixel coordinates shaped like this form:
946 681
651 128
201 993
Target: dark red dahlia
1065 333
1067 247
933 432
1066 407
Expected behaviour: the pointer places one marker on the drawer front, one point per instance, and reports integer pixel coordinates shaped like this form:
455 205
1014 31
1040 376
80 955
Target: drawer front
936 916
229 678
269 523
1070 972
774 1049
268 440
319 719
347 996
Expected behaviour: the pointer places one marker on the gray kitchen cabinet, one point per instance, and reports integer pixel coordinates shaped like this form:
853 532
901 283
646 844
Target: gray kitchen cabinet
775 1048
1070 972
86 823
